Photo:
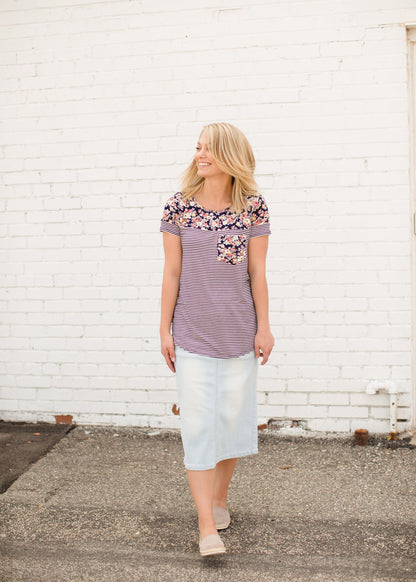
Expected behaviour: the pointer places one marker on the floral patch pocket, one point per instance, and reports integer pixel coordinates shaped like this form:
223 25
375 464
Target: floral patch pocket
231 248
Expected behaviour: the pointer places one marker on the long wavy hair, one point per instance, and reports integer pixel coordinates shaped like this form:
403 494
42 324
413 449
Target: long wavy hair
232 153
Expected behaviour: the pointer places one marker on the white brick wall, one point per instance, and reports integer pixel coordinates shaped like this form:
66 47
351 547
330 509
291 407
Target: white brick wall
101 104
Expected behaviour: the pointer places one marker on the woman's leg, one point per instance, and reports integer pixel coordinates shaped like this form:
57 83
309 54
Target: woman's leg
210 489
201 484
223 472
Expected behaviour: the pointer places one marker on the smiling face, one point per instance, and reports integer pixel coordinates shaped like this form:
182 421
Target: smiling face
206 166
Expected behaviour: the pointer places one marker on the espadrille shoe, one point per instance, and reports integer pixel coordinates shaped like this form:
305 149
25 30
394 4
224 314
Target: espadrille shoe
211 545
221 517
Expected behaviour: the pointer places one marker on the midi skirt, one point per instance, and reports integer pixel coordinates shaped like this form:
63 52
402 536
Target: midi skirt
218 407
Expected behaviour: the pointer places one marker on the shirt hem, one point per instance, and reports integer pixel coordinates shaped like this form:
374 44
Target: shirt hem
191 351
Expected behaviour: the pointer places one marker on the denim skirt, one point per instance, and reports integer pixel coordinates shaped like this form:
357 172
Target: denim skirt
218 412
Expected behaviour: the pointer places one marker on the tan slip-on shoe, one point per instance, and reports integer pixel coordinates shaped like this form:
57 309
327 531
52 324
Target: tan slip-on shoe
211 545
221 517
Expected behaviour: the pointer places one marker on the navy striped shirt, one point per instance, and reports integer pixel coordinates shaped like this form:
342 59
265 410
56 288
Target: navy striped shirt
214 313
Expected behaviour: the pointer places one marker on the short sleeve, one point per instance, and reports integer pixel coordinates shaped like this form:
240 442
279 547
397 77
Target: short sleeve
260 218
170 217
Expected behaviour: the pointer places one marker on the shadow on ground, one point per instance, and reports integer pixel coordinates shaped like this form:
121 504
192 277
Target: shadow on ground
22 444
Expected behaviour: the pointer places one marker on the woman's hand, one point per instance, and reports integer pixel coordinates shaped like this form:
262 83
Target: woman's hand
168 349
263 345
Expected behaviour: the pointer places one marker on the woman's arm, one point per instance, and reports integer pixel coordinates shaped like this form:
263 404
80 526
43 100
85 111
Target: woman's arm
170 287
257 251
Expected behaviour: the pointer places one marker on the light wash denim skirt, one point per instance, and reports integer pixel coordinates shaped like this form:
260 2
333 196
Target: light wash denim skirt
218 407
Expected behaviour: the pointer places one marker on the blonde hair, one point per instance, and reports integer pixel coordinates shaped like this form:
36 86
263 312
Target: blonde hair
232 153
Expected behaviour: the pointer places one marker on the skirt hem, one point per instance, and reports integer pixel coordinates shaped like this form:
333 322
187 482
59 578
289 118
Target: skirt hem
191 467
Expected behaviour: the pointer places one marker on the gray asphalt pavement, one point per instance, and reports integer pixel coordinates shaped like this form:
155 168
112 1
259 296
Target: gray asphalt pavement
112 504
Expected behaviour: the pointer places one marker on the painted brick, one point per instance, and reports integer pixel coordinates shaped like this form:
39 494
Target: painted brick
372 425
84 180
305 412
329 398
348 411
267 411
329 425
8 404
286 398
153 408
58 394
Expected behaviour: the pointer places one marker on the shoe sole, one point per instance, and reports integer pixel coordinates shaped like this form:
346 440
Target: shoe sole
213 552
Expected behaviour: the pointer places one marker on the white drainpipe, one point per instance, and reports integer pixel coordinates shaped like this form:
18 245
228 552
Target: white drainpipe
391 388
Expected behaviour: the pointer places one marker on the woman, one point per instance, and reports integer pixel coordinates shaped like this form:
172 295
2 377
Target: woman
214 316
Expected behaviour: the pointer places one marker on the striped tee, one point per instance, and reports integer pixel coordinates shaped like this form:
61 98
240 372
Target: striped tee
214 313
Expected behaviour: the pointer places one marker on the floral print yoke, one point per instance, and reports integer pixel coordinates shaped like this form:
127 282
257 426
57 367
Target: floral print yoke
189 213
